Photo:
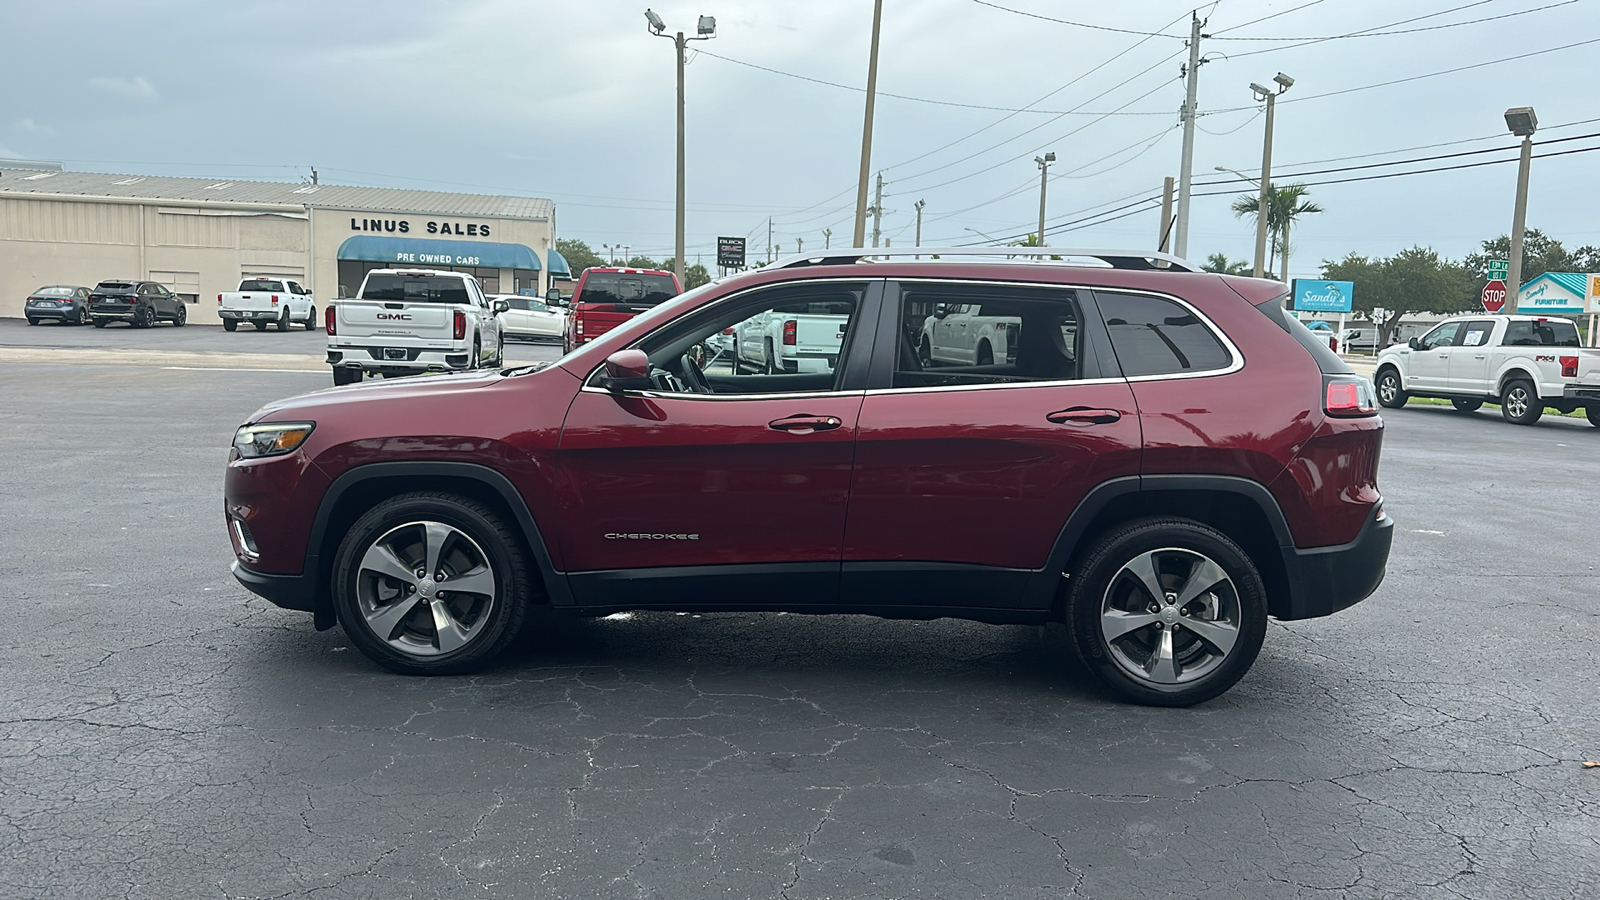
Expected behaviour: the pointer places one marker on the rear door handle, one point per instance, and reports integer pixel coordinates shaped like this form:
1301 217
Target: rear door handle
805 424
1083 415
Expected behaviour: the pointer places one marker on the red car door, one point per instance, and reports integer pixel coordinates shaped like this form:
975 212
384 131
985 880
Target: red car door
730 492
965 474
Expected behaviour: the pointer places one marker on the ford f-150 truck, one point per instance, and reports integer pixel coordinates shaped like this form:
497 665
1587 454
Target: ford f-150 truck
1523 363
406 322
264 301
804 337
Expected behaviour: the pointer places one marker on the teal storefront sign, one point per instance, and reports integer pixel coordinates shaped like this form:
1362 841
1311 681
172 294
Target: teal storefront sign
423 252
1323 296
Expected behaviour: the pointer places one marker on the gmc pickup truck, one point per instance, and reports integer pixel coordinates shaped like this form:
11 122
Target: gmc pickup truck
264 301
407 322
1523 363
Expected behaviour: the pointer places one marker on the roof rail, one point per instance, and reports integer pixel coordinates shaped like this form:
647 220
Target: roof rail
1116 259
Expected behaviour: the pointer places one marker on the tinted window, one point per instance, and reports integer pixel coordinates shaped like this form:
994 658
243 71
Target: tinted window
416 289
518 302
114 286
53 292
954 335
1153 336
295 288
260 284
1548 333
631 288
1443 336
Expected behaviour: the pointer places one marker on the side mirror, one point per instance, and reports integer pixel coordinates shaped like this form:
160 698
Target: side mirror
1414 343
500 306
553 295
940 310
627 370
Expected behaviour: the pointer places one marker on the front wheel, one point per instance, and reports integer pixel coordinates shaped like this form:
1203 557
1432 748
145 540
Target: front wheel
1520 404
230 324
431 584
1467 406
182 317
1390 394
311 319
1167 612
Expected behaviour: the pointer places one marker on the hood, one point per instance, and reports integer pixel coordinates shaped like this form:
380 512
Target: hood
410 388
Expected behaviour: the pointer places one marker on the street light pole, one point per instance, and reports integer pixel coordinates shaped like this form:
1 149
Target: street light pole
1180 243
1044 172
918 207
1523 123
866 129
707 29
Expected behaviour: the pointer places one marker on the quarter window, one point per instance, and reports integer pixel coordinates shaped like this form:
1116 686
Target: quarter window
1155 336
953 335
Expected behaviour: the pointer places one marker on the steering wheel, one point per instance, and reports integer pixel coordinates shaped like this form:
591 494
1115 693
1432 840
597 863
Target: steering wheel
693 378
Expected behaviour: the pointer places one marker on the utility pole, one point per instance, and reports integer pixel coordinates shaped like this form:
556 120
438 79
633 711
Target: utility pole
1523 123
799 246
769 240
1044 179
1191 79
866 128
1264 204
877 210
313 174
1164 233
918 206
827 238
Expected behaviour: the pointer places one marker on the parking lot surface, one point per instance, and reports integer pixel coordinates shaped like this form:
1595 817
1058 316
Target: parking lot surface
163 733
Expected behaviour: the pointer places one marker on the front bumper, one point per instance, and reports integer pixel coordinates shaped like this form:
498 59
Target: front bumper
1324 580
287 591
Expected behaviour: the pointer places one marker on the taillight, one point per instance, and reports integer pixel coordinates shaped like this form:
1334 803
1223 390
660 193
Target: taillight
219 298
1569 367
577 324
327 320
789 330
1348 396
728 330
274 299
461 325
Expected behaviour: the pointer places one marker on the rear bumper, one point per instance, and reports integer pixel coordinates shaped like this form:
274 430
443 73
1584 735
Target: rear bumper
288 591
1324 580
1581 393
416 362
49 312
250 315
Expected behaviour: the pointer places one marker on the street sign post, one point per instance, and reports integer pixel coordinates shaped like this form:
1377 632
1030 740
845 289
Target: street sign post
730 252
1499 269
1494 296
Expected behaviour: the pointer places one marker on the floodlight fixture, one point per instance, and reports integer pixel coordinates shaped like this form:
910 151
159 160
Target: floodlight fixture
1284 82
654 21
1522 121
708 26
1260 92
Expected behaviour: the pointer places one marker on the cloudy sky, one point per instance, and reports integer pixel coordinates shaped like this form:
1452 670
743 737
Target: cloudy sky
574 101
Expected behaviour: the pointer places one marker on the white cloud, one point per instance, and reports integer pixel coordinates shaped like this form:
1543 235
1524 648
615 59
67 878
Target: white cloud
137 89
29 126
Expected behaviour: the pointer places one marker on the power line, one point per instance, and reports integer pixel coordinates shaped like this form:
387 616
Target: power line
1306 42
1030 15
1265 18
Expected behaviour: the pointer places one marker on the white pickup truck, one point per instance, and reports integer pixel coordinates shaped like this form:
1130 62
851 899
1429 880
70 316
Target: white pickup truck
799 337
407 322
1523 363
264 300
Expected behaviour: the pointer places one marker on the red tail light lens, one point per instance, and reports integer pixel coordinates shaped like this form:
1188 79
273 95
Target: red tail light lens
328 322
1569 367
728 330
274 299
790 329
1349 396
577 324
219 298
461 325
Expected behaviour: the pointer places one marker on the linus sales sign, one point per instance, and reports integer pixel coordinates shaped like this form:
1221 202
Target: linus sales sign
1323 296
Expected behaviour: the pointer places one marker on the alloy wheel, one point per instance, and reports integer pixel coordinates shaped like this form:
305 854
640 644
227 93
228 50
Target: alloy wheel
1170 616
1517 402
425 588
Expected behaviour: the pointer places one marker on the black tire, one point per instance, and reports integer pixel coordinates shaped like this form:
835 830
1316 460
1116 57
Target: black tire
1592 413
230 324
283 320
1520 403
311 319
1466 406
925 353
259 326
98 323
82 318
1101 593
182 318
144 317
477 354
33 320
492 554
770 365
1390 393
342 375
985 354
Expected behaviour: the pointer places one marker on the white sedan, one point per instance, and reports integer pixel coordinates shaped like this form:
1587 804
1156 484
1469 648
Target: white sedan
531 319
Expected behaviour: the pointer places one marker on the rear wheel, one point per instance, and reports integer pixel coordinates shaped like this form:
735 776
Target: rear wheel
144 317
283 321
431 584
985 354
1167 612
230 324
182 317
1390 394
1520 404
82 318
1592 413
1467 405
311 318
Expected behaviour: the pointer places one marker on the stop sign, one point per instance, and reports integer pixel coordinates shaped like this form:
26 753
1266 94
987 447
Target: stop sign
1494 296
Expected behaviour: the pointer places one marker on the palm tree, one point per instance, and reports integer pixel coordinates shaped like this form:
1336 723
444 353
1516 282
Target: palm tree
1219 263
1284 204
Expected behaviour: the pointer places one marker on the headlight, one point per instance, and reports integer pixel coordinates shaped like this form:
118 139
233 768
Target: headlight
271 438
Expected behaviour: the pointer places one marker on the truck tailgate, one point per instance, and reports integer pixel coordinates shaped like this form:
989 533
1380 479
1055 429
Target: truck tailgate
253 300
816 334
397 323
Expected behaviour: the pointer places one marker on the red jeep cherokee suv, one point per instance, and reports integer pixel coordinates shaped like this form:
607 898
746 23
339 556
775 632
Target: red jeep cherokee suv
1160 458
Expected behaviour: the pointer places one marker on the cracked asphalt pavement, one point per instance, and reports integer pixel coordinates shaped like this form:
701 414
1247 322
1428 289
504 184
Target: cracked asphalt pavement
163 733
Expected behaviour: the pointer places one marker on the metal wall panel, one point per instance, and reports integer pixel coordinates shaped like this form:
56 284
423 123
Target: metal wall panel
68 222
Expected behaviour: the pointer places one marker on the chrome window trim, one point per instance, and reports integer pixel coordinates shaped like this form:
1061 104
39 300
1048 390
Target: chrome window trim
1009 385
661 395
1235 355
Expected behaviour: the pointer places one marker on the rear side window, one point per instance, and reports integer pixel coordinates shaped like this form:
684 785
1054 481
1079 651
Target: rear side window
631 288
416 289
260 284
1155 336
1548 333
954 335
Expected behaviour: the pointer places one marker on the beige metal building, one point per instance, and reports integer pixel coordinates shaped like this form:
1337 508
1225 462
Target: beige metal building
199 236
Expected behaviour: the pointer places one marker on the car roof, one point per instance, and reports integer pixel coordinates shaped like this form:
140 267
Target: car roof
427 273
626 270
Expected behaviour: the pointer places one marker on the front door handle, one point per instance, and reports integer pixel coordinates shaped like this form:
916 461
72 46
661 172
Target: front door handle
805 424
1083 415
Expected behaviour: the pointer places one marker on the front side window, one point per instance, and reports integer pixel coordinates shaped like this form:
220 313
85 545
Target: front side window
1157 336
953 335
1443 336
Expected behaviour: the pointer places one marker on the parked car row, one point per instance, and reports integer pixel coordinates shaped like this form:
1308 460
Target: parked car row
139 303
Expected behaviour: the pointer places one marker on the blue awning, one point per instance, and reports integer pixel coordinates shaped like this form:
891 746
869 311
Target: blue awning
422 252
558 264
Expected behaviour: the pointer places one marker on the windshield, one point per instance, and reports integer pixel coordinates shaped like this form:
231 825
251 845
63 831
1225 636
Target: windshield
416 289
632 288
260 284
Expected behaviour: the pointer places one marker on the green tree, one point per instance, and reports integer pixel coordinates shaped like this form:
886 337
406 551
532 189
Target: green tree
645 262
1285 204
579 255
693 275
1540 254
1412 281
1219 263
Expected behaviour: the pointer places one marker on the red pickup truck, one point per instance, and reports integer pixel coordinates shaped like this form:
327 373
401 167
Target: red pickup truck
607 297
